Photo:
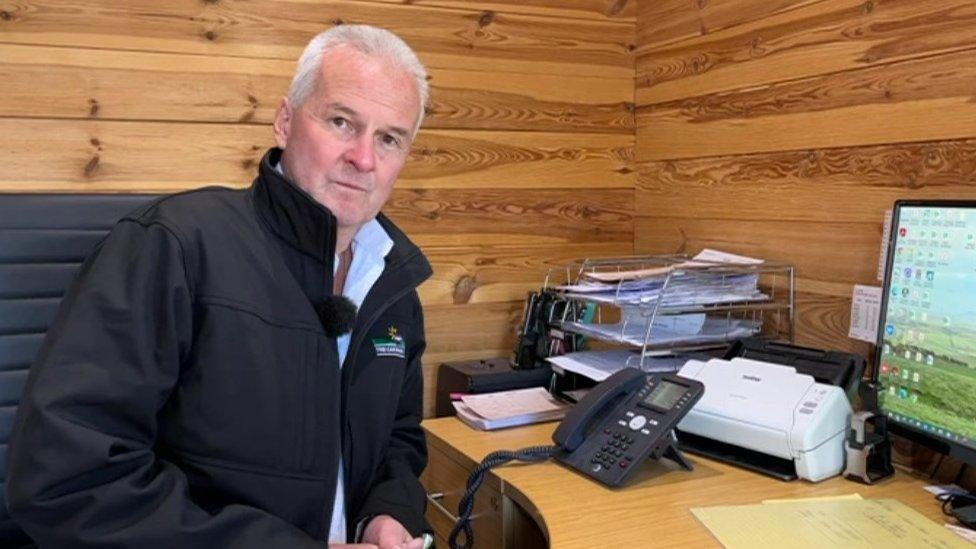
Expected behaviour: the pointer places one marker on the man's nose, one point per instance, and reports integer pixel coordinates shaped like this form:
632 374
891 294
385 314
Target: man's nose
362 153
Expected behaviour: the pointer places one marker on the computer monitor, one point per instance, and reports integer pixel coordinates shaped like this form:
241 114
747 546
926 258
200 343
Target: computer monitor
926 359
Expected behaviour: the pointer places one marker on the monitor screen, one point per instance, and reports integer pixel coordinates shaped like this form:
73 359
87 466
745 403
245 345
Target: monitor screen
927 338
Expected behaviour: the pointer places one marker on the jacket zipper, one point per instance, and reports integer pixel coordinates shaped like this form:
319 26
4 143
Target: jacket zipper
347 380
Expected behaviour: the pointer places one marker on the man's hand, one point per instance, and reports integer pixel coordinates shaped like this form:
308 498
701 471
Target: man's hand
386 532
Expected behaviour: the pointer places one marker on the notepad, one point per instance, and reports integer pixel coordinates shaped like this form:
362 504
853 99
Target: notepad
509 408
847 524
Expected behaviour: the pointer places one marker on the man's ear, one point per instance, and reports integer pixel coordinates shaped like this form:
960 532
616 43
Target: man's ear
282 122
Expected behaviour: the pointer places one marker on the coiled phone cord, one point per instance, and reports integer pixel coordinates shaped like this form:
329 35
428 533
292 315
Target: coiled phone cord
477 477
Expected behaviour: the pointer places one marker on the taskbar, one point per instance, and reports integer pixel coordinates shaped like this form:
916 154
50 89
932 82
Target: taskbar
929 428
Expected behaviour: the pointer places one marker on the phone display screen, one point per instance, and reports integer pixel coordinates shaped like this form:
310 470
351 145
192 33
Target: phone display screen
664 396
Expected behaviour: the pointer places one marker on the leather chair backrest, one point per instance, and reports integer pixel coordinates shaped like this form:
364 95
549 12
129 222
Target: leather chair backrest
44 238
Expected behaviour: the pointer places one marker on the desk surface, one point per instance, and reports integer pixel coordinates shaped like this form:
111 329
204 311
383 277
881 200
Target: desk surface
574 511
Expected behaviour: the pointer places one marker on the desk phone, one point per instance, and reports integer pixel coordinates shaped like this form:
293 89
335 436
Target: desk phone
624 420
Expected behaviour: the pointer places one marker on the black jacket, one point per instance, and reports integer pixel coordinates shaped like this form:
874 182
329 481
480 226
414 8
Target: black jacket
186 395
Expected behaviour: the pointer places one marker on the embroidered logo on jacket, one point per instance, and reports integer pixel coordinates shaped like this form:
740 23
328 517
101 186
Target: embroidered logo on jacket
390 346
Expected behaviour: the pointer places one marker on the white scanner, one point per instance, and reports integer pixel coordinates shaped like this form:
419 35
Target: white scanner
770 409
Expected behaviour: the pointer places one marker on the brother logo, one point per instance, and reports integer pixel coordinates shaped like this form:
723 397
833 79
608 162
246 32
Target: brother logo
751 378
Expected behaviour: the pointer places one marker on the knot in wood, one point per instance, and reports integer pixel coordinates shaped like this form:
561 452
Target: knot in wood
463 289
486 18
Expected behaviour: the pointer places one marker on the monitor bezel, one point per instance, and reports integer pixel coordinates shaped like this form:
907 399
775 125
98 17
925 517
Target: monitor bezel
928 439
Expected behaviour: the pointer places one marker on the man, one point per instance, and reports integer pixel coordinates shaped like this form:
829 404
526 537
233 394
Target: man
197 389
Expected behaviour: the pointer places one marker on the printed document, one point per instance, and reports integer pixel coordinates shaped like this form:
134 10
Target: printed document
842 524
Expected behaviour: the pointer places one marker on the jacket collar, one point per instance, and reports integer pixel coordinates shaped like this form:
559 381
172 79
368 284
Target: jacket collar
291 213
310 227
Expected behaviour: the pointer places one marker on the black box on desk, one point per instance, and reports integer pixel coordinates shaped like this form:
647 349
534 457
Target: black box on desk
483 376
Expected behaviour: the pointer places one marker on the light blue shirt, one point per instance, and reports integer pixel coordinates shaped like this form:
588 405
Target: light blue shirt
369 249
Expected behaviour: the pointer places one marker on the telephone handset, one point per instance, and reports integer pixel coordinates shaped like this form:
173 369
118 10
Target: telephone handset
621 422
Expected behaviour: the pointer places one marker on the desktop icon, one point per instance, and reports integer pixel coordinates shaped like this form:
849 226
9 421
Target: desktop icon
903 231
930 360
930 275
890 329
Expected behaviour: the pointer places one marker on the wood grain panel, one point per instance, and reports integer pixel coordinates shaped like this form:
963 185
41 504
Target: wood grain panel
823 321
517 159
830 252
108 84
90 155
660 22
614 10
478 327
280 29
917 100
846 184
487 273
823 37
501 216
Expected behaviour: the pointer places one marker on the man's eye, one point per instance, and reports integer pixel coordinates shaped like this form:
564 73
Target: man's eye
340 122
390 141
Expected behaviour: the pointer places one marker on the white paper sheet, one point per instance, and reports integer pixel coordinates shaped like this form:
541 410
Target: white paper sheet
865 312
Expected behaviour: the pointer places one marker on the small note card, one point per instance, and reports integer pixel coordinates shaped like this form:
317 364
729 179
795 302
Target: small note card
865 312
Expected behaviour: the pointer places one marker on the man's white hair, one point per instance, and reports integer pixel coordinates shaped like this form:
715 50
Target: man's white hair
368 40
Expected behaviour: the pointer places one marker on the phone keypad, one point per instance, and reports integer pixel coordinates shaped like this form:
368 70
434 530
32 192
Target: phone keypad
614 451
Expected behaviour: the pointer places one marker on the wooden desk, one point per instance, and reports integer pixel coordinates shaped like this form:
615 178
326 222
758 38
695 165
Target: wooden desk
525 505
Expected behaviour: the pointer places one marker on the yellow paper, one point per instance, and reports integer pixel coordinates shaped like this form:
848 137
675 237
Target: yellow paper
820 498
848 524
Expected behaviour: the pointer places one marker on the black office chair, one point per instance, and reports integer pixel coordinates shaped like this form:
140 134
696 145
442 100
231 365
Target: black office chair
44 238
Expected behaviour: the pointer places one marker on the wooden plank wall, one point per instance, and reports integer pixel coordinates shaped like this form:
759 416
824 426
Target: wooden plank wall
786 128
526 158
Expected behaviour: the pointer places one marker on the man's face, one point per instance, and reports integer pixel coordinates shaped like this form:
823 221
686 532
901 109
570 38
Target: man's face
347 142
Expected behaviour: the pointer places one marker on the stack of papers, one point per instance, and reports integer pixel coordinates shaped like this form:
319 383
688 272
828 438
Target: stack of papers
687 284
842 523
712 330
599 365
509 408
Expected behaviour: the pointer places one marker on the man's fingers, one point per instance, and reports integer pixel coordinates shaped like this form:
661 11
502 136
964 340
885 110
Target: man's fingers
415 543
